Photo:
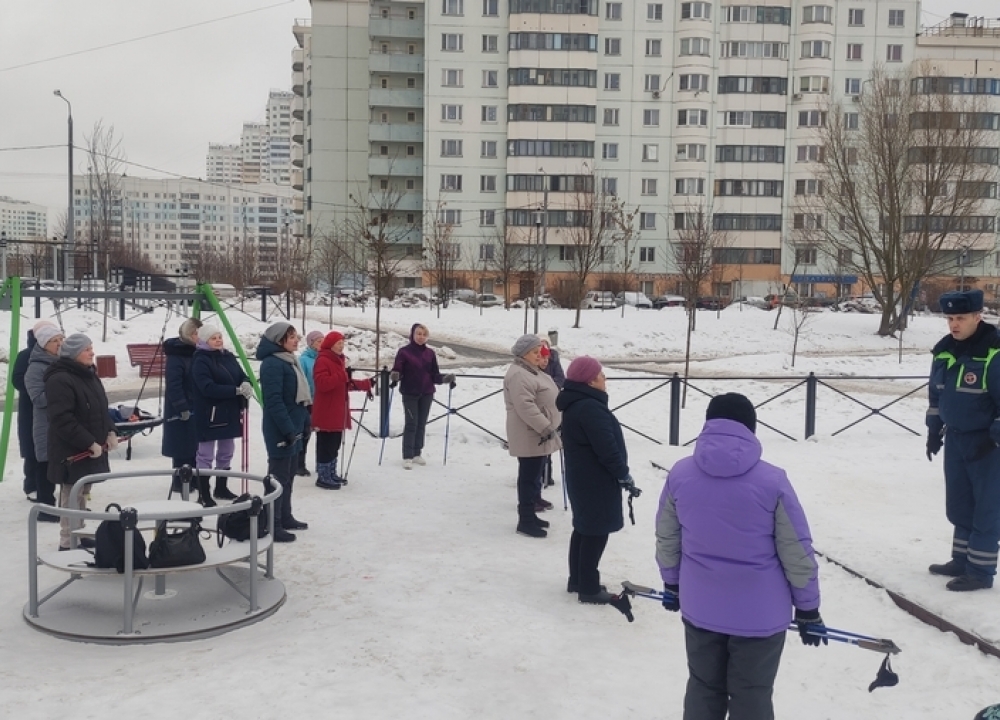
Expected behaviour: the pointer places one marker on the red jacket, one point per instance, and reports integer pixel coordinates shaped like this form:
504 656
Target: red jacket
331 404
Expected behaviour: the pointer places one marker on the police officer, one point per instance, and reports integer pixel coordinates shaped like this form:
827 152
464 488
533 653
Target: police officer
963 415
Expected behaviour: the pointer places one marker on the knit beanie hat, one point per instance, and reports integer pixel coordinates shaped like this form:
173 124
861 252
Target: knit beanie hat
39 325
525 344
207 332
277 332
45 334
731 406
313 337
583 369
188 328
331 339
74 345
988 713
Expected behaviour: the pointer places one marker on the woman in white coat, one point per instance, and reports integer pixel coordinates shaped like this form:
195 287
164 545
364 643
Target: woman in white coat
529 396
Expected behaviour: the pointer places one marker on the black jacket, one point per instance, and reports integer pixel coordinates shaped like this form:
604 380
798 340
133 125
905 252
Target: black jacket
25 410
596 459
78 418
218 408
180 437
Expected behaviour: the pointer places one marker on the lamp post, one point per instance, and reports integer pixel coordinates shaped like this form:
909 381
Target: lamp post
3 253
70 219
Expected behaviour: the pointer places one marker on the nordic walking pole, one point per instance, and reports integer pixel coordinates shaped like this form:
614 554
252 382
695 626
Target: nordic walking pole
562 469
245 447
357 432
447 423
385 433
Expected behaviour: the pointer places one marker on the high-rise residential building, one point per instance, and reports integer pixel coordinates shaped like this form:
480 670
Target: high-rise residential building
224 163
263 154
279 131
22 220
489 115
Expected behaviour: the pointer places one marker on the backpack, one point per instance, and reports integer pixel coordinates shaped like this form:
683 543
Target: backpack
236 525
109 542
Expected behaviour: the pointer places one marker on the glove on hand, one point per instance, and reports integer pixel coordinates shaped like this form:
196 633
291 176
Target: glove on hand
626 481
671 597
448 379
811 627
185 415
350 372
246 390
393 378
112 442
371 393
546 437
96 450
934 443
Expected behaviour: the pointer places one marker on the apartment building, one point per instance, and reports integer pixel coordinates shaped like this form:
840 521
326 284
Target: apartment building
491 114
20 220
224 163
263 154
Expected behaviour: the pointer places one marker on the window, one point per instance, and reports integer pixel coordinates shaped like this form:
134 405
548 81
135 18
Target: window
452 42
609 151
485 251
451 113
411 184
809 153
451 148
805 255
647 254
814 84
755 85
807 221
809 187
411 150
612 46
489 78
653 48
649 186
489 113
610 116
383 150
411 49
450 217
816 49
489 43
452 7
650 118
696 10
748 188
384 83
689 186
613 11
609 186
488 149
757 14
750 153
651 83
383 12
697 118
383 184
691 151
384 48
855 17
852 86
384 117
740 221
612 81
452 183
817 14
744 49
812 118
687 221
694 82
854 51
654 11
411 82
851 155
647 221
894 53
451 78
566 253
897 18
487 217
487 183
491 8
851 121
650 152
696 46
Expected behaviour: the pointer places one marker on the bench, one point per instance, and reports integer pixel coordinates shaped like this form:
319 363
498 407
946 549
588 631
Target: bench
148 357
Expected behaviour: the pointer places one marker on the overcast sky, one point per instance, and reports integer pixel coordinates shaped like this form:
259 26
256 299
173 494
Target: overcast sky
167 96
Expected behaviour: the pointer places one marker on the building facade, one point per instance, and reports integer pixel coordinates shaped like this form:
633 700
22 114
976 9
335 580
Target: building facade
21 220
263 154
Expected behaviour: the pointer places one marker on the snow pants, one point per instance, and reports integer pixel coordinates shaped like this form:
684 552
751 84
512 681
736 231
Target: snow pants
730 673
972 500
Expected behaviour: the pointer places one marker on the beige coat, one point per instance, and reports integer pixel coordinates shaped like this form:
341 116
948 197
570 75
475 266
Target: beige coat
529 395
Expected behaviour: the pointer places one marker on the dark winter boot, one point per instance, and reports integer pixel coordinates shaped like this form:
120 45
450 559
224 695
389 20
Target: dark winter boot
281 534
204 491
572 586
601 597
325 477
527 523
952 568
336 476
967 583
222 491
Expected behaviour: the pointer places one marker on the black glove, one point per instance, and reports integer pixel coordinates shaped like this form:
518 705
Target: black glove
671 597
628 483
393 378
546 437
448 379
350 373
934 443
811 627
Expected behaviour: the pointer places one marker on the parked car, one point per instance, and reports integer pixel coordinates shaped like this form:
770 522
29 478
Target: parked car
488 300
635 299
711 302
662 301
756 301
775 300
466 295
598 300
416 295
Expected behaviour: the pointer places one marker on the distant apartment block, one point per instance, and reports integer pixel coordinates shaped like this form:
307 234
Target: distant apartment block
22 220
263 154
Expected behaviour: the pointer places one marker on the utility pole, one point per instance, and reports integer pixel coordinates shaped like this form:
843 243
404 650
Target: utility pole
70 216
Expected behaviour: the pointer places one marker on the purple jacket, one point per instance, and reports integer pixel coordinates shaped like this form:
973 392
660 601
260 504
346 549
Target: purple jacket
417 366
731 533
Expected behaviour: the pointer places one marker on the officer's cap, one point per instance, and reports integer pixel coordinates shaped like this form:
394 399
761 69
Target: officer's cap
962 303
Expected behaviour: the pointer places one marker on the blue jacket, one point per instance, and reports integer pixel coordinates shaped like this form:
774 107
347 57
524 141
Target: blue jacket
282 415
218 408
180 438
964 387
596 459
307 361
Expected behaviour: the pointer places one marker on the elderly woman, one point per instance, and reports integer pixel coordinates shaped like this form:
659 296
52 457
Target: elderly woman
44 351
78 422
307 360
180 434
529 396
596 472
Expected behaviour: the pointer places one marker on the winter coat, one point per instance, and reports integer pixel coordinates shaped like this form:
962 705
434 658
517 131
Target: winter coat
307 360
964 387
555 369
731 533
596 459
25 410
283 417
78 418
331 404
529 396
218 407
417 366
34 382
180 437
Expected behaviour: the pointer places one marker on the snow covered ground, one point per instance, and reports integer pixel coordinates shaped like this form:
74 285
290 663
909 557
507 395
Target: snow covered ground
410 596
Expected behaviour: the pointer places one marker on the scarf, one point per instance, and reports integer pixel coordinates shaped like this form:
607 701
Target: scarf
302 394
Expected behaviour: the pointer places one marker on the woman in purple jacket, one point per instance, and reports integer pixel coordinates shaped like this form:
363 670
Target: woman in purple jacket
735 556
416 371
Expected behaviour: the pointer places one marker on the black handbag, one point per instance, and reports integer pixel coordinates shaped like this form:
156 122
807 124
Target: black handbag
176 546
236 525
109 542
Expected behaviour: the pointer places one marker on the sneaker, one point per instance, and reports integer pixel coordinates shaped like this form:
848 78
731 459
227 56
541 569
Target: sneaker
952 568
601 597
572 586
297 525
407 464
418 460
967 583
283 536
530 529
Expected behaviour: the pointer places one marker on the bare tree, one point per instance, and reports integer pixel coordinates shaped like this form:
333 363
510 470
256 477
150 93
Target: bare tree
332 259
626 240
590 233
908 168
801 314
106 159
440 253
508 259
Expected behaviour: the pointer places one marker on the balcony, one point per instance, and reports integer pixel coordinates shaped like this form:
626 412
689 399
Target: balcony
298 130
397 132
295 176
298 59
410 202
395 167
297 156
298 205
298 107
396 63
395 27
379 97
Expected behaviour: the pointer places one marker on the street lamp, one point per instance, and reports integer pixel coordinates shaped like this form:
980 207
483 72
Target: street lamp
3 253
538 234
70 220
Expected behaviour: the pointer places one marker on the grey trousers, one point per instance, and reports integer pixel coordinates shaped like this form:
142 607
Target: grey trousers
729 673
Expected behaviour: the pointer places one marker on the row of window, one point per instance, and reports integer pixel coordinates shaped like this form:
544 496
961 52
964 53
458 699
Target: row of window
955 86
560 77
491 8
551 41
758 14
